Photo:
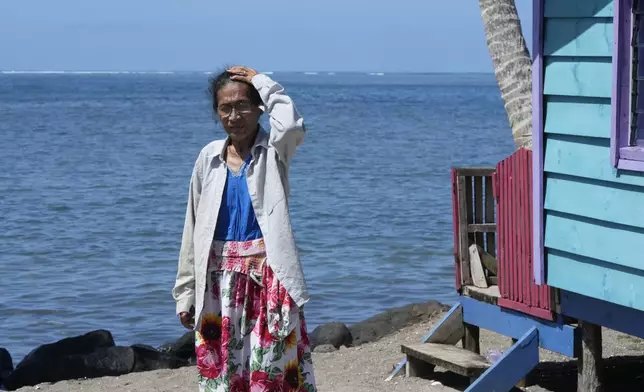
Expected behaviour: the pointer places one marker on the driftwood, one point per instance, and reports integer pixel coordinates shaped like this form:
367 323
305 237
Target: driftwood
480 259
476 268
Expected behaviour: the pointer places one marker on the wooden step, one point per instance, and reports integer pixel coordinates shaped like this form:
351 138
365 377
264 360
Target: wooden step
421 359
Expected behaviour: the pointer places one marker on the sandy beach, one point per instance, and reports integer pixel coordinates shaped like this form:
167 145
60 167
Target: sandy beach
365 368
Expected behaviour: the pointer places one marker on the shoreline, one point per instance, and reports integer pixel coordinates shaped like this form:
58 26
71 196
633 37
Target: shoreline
365 368
95 354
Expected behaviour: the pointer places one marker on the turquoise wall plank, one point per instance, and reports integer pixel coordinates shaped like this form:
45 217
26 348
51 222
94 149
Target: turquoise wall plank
578 76
578 37
622 204
600 240
585 157
578 116
577 9
595 279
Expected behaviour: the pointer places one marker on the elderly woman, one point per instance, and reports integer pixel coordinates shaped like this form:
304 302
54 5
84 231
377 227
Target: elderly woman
240 283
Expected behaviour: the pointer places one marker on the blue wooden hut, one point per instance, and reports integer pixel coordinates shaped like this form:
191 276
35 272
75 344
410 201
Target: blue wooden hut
568 227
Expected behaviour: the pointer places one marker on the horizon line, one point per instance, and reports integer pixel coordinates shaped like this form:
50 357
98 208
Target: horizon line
312 73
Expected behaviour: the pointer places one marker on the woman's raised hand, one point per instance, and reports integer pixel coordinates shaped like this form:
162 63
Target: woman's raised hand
241 73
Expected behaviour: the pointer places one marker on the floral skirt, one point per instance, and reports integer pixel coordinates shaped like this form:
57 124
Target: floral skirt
251 336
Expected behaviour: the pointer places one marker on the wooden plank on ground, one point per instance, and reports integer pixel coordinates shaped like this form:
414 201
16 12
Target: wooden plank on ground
452 358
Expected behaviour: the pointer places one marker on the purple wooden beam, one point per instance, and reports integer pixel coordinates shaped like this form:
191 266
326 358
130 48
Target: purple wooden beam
537 143
621 77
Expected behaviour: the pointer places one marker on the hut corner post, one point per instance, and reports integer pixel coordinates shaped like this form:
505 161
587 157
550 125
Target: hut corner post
589 363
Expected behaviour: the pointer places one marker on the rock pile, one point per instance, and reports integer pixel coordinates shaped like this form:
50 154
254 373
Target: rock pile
96 355
91 355
332 336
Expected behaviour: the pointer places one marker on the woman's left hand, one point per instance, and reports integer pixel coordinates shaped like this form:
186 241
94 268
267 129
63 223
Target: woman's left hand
242 73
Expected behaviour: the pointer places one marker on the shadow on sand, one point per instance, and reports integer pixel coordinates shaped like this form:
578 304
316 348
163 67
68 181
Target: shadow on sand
621 374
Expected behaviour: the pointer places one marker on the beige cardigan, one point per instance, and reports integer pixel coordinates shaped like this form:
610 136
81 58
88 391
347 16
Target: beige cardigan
268 186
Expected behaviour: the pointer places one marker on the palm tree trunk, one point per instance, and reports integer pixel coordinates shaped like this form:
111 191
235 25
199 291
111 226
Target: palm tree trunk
512 65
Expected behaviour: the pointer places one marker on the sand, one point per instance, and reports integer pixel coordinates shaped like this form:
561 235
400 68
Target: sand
360 369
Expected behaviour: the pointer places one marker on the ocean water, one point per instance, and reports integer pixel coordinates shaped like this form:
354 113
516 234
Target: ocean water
94 172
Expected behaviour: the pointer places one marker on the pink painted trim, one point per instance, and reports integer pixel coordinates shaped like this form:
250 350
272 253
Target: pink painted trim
523 308
537 143
622 156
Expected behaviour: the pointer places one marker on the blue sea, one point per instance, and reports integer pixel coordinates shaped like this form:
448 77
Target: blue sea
94 172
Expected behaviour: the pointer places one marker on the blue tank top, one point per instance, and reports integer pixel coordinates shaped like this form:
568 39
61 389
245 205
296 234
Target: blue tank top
236 220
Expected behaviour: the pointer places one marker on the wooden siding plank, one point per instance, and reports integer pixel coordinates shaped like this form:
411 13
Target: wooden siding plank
600 240
578 37
501 223
506 277
584 157
577 9
526 185
596 279
578 116
621 204
578 76
520 202
512 238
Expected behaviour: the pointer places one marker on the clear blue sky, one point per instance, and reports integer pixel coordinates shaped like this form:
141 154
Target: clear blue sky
273 35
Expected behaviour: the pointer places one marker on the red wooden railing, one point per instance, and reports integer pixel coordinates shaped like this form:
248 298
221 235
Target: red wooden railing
473 217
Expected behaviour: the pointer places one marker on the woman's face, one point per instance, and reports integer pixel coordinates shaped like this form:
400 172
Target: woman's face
238 115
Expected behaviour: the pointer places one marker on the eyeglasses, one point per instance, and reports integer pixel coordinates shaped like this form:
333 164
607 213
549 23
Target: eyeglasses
242 108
